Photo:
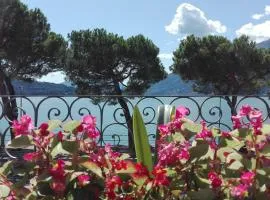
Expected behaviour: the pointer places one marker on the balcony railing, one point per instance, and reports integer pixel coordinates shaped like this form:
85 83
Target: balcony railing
110 116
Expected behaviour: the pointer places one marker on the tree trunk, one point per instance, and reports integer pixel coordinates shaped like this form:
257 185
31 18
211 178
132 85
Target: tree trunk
232 104
9 102
127 115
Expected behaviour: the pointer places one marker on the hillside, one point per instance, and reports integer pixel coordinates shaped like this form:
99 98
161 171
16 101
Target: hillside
173 85
265 44
41 88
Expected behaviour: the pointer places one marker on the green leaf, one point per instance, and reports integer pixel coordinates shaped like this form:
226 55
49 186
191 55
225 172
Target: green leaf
265 129
139 180
196 152
93 167
190 129
201 182
22 141
231 142
71 126
209 154
5 169
70 145
221 152
204 194
4 191
244 133
266 150
234 156
54 124
236 165
59 150
178 137
142 147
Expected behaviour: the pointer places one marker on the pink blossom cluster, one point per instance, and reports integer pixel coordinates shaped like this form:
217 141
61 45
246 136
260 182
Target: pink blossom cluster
241 191
254 116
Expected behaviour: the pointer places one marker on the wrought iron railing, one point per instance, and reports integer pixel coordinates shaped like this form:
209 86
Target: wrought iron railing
110 118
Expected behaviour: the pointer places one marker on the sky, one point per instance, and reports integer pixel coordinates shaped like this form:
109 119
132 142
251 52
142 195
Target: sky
165 22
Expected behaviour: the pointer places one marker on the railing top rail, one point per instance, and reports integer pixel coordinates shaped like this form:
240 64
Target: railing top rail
139 96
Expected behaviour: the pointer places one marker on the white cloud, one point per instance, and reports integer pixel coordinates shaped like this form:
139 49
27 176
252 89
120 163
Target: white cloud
191 20
54 77
261 15
257 32
257 16
267 10
165 56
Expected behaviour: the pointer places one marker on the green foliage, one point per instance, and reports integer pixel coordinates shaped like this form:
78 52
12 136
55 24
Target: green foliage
99 61
236 67
27 45
142 146
21 142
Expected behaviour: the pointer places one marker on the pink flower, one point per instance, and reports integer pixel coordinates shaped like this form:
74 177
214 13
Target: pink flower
24 126
212 175
181 112
168 154
43 129
225 134
141 170
83 179
93 133
58 172
236 121
111 184
240 191
160 177
247 177
58 186
60 136
163 129
215 179
184 155
31 156
89 120
245 110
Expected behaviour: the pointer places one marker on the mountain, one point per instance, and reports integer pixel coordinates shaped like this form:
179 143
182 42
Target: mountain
41 88
264 44
173 85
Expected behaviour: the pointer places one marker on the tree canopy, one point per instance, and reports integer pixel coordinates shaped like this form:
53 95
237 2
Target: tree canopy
98 62
220 66
28 49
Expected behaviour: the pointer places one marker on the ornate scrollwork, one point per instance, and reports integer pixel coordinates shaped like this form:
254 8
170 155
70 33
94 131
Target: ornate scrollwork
111 119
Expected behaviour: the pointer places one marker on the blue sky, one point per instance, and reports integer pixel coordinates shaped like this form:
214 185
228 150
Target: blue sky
166 22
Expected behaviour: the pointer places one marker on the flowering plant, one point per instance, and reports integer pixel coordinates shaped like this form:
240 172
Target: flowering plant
193 161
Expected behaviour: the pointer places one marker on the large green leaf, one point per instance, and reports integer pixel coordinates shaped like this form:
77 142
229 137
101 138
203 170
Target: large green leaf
22 141
71 126
93 167
4 191
5 169
71 146
142 147
191 129
59 150
54 124
199 150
